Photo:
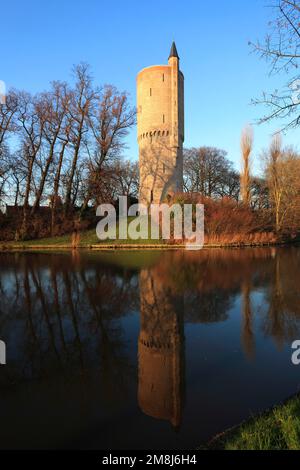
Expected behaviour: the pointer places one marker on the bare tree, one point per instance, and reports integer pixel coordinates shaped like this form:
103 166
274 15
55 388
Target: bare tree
281 47
53 109
67 146
55 198
246 149
208 171
282 174
4 170
274 177
110 123
81 102
17 176
31 124
7 115
127 178
7 126
260 199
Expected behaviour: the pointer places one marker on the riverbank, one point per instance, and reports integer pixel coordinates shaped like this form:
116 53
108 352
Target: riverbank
276 429
88 241
128 247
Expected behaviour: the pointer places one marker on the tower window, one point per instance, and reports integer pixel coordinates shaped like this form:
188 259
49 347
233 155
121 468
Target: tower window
164 168
163 118
151 196
150 91
163 77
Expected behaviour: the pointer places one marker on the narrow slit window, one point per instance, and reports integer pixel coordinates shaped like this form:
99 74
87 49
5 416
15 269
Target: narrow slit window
163 77
163 118
150 91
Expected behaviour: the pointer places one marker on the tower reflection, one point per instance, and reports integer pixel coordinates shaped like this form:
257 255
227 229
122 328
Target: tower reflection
160 350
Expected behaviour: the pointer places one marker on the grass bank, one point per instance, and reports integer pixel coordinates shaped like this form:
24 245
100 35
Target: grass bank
88 240
276 429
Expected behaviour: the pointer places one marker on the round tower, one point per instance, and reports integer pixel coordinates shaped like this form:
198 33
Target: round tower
160 117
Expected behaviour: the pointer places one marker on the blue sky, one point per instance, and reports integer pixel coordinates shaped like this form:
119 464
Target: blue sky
41 41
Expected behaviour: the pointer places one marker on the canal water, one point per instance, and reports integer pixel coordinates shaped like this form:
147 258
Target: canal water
144 350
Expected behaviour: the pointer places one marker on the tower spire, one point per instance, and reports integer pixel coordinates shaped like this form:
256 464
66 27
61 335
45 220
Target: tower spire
173 52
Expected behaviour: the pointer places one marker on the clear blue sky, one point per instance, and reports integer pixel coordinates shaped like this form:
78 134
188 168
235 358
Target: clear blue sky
42 40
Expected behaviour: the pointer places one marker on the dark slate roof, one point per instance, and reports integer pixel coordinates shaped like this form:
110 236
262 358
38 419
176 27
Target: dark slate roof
173 52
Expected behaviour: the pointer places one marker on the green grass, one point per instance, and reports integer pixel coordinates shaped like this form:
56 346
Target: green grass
87 238
278 429
63 240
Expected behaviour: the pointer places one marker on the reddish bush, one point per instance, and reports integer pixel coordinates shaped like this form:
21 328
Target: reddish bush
39 224
228 222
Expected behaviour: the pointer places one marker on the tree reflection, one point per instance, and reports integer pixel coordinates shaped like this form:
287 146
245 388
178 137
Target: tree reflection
282 319
247 333
61 316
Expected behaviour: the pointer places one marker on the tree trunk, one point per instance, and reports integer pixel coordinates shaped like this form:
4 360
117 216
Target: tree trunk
56 186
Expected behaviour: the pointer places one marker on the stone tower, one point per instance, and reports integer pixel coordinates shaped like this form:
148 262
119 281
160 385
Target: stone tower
160 106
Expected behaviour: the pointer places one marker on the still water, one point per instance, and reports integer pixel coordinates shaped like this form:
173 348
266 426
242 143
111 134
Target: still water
144 350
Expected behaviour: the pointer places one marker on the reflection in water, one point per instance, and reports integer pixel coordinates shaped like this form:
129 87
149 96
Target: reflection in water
161 345
247 327
60 315
112 337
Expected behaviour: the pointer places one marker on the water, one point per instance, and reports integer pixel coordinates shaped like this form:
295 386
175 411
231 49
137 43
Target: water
144 350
